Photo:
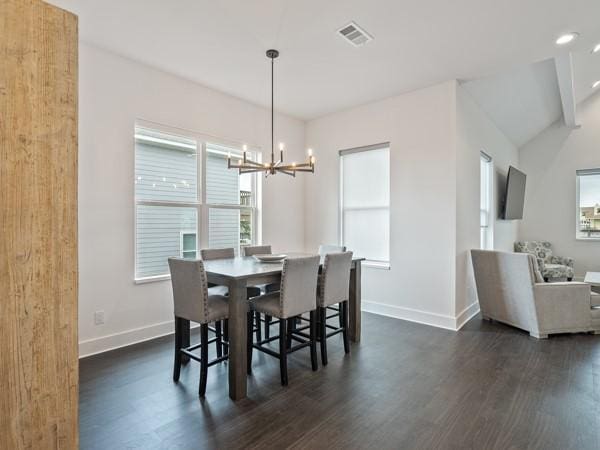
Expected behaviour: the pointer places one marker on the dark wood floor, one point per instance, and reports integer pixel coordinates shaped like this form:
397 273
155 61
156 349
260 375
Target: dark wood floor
404 386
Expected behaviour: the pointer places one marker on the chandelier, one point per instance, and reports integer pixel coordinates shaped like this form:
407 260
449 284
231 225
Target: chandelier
246 165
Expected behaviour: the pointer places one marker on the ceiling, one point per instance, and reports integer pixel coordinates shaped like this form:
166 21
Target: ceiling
522 101
221 44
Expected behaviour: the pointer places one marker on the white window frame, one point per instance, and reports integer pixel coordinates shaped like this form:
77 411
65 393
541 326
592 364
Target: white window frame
578 234
489 230
202 209
367 263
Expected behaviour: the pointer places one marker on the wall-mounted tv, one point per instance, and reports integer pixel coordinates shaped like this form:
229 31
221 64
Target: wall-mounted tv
514 196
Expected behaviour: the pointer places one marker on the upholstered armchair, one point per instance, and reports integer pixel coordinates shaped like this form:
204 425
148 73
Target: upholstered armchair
510 290
551 266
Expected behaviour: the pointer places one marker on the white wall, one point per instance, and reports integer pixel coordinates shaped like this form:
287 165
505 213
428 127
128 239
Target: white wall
476 133
420 127
550 161
114 92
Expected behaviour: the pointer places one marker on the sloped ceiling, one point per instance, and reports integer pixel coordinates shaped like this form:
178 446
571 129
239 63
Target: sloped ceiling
521 101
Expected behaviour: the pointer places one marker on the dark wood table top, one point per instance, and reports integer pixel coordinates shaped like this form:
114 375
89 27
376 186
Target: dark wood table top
243 267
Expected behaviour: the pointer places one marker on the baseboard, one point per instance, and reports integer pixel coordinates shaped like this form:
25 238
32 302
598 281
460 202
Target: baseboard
412 315
467 314
423 317
123 339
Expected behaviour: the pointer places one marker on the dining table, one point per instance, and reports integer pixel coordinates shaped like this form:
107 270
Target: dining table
240 272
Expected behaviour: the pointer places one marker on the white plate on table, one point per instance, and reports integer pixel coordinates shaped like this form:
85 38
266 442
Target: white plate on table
270 258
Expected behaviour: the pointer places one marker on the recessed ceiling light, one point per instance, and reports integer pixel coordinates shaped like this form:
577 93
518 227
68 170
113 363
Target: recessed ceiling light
596 84
567 38
596 48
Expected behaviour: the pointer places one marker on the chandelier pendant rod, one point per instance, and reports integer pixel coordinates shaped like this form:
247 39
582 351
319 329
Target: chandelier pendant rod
272 111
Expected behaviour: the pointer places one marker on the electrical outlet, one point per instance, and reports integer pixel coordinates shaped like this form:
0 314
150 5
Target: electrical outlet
99 317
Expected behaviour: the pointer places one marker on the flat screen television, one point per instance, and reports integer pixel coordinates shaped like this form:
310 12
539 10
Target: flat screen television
514 196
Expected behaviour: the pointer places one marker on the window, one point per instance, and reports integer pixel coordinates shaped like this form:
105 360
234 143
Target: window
486 236
230 198
588 204
188 245
186 199
365 202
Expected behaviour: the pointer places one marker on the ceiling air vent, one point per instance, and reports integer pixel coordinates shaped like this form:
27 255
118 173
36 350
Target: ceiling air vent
355 34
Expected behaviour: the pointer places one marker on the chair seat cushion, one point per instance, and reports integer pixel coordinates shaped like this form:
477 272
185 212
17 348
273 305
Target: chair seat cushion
595 300
268 304
253 291
557 271
218 308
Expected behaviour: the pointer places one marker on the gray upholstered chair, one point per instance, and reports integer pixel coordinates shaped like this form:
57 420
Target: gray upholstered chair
208 254
511 290
334 289
551 266
323 250
192 302
296 296
329 248
251 250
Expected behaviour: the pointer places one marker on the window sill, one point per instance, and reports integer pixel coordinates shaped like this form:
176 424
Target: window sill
376 265
151 279
587 238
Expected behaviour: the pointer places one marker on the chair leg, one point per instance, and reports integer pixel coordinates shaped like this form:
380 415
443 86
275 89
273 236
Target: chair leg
323 333
219 336
203 358
267 326
291 325
283 351
313 340
344 305
258 328
249 342
178 339
226 336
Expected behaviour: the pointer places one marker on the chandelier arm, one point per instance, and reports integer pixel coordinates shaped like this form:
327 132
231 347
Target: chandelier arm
292 174
254 163
246 170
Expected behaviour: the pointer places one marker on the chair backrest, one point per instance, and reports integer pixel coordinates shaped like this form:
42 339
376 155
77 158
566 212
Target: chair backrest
505 286
335 279
299 285
190 289
327 248
540 249
250 250
217 253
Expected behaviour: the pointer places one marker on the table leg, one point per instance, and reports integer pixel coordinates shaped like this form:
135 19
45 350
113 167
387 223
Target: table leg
238 307
355 302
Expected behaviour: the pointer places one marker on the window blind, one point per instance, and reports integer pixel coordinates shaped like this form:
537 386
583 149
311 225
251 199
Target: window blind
365 202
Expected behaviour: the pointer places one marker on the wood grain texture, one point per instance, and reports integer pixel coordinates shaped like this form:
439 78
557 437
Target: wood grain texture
38 223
